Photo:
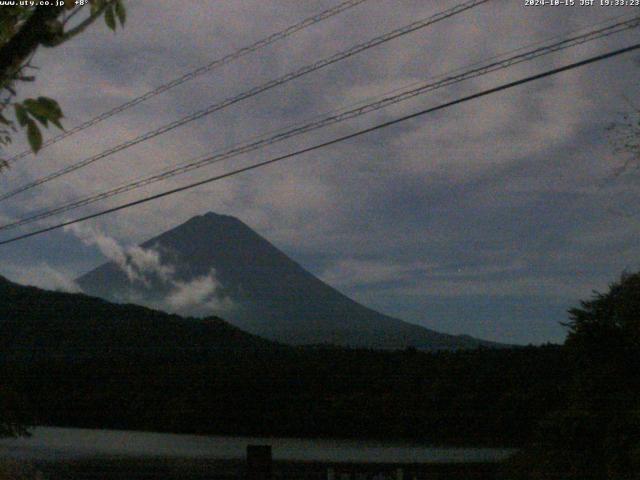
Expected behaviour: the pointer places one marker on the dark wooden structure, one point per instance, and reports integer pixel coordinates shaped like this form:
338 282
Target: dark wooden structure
259 462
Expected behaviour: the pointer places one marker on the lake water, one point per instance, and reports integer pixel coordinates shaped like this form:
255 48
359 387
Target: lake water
48 444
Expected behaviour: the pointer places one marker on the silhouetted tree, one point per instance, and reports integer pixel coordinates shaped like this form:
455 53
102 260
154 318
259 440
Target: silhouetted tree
598 435
25 27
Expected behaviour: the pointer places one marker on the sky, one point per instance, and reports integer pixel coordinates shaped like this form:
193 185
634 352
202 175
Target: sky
491 218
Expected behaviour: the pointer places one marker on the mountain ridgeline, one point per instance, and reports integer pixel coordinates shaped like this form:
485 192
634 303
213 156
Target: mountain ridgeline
268 294
73 360
37 324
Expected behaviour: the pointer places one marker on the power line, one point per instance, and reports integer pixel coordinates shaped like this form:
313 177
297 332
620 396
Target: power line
332 119
206 160
252 92
307 22
443 106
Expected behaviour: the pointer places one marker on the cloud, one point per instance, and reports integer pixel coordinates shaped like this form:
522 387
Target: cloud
503 179
200 296
42 275
136 262
353 271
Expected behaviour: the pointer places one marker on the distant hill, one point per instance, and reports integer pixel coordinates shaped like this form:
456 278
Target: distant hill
273 296
74 360
41 324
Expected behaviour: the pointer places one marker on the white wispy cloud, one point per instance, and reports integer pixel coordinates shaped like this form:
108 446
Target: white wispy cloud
199 296
135 261
42 275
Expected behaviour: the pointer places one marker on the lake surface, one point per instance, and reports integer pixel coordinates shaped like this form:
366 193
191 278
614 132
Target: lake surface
49 444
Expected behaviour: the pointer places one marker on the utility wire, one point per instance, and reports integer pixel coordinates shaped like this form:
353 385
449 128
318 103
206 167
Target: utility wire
307 22
252 92
380 126
340 117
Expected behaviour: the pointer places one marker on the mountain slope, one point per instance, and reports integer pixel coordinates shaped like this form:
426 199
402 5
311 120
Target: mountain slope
37 323
272 295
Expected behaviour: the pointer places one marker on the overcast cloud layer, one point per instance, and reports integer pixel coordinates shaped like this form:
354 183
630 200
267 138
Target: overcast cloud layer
491 218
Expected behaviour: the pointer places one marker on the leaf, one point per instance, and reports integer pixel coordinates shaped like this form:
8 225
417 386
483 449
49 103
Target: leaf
34 136
121 12
51 105
21 114
44 110
57 123
35 108
43 120
110 18
95 5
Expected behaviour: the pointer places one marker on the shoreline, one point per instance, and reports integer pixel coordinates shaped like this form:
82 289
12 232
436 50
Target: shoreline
174 468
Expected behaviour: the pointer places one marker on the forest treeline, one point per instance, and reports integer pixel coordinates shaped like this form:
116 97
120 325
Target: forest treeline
76 360
485 397
572 409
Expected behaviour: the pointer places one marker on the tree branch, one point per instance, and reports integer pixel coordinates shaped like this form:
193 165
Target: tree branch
81 26
36 30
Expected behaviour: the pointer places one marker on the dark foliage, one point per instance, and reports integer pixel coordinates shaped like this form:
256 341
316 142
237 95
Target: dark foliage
80 361
597 435
463 398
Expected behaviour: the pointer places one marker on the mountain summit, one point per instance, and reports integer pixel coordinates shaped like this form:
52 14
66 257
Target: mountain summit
257 288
